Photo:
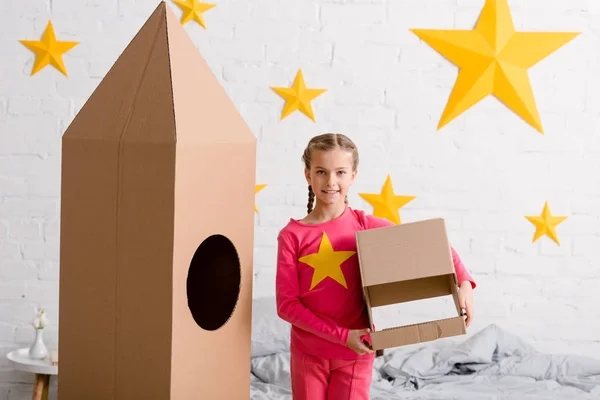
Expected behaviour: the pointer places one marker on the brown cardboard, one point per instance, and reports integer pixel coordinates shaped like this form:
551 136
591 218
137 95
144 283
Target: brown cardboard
407 262
157 230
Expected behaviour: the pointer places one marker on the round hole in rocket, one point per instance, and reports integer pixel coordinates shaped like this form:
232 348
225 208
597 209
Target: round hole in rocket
213 282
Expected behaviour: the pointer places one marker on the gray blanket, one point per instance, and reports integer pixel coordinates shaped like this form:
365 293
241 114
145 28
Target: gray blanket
492 364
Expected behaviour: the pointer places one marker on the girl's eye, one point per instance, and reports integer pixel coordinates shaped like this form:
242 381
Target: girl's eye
341 172
320 172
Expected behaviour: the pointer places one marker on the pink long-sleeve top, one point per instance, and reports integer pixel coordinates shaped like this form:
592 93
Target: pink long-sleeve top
318 284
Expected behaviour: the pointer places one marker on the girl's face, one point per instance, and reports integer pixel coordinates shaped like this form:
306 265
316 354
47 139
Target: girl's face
330 175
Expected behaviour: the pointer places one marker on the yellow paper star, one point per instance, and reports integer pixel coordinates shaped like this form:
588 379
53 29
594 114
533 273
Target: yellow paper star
258 188
298 97
192 10
48 50
493 59
386 204
327 263
545 224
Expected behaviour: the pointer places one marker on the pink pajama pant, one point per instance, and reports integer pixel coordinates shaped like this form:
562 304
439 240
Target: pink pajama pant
315 378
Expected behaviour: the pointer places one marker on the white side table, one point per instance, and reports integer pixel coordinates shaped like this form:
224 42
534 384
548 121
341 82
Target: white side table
42 369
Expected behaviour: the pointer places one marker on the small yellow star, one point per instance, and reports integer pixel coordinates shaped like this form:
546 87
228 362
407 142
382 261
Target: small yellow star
193 9
545 224
386 204
327 263
298 97
48 50
258 188
493 59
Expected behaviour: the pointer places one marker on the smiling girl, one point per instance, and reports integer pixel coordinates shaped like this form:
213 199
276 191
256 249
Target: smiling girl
318 286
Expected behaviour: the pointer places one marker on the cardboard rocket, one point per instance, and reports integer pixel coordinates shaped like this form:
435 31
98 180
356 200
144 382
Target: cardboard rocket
157 230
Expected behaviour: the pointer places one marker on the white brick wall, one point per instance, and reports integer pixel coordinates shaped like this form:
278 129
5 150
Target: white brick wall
387 91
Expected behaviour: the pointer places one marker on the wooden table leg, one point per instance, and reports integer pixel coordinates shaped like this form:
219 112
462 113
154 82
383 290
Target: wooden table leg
40 387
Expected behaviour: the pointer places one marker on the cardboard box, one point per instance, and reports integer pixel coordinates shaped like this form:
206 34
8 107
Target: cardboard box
407 262
157 230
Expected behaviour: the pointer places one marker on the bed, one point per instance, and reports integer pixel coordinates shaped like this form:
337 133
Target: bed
491 364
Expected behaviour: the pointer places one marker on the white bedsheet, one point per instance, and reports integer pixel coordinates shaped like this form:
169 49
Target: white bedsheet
492 364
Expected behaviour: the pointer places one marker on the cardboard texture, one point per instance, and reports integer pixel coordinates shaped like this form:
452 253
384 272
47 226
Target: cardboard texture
157 230
408 262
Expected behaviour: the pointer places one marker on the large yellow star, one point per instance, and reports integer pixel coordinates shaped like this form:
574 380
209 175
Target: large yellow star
192 10
545 224
386 204
258 188
493 59
298 97
48 50
327 263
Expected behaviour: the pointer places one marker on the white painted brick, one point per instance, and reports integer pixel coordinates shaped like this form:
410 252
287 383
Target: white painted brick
478 264
48 271
303 12
361 96
24 335
14 165
243 49
10 250
16 311
264 33
29 208
352 14
438 16
281 52
278 77
12 291
33 10
39 252
13 186
51 229
22 135
16 269
23 106
57 107
264 282
266 255
81 18
43 293
315 52
42 185
3 229
24 230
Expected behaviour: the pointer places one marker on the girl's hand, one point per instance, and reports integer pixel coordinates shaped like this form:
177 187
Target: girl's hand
465 300
355 343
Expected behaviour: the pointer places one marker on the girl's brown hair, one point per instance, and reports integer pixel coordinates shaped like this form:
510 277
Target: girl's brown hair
327 142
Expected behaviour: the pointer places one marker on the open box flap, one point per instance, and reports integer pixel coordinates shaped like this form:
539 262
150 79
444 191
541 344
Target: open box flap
417 333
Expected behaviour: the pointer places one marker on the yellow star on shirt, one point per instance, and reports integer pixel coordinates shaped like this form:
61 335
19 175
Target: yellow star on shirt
298 97
545 224
192 10
327 263
386 204
48 50
258 188
493 59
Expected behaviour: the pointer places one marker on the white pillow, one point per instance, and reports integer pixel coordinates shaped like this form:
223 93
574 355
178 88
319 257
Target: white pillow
270 334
